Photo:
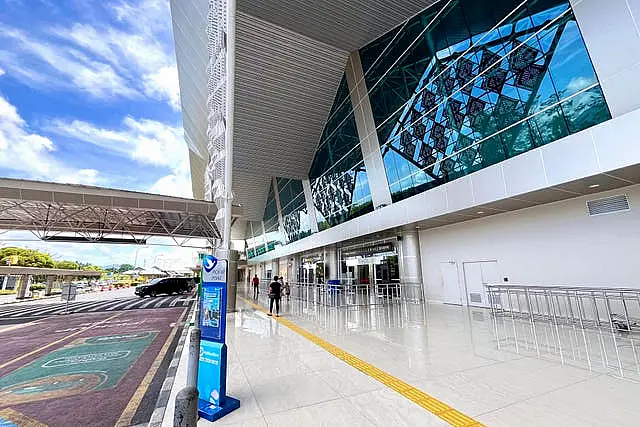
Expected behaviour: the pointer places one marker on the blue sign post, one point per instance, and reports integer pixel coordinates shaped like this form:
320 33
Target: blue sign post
212 369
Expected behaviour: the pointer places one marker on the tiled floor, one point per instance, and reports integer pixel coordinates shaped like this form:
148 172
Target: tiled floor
461 356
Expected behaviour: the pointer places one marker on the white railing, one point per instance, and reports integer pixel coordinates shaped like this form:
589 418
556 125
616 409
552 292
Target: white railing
352 295
615 308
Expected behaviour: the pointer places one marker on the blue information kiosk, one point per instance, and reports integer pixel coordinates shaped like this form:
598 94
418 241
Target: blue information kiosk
212 370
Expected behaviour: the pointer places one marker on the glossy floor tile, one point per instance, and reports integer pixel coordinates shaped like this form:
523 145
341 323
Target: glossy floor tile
499 371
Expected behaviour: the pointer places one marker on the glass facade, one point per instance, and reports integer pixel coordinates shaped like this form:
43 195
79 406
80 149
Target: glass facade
452 91
338 176
479 85
295 217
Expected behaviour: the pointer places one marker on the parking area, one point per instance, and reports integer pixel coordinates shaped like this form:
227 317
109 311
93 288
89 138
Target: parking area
111 364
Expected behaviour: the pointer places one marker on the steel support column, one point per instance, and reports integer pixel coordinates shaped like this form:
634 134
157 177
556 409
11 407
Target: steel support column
376 174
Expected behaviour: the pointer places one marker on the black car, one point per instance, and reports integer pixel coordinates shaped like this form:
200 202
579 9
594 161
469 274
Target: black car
166 285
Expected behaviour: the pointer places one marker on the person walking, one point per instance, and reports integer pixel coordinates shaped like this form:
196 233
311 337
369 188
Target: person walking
274 296
256 284
287 290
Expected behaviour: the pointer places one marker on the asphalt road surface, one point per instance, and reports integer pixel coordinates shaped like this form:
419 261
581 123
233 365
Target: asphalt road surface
101 365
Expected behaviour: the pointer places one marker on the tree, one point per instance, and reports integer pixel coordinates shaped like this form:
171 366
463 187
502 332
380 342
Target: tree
125 267
67 265
26 257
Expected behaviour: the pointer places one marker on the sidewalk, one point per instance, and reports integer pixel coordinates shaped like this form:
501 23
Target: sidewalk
282 379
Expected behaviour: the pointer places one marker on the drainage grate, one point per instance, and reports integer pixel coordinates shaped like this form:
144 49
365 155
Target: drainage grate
608 205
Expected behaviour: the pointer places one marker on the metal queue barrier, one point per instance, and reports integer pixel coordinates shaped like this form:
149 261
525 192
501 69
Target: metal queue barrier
352 295
615 308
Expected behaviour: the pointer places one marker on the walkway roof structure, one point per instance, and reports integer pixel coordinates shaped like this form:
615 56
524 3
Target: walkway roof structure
38 271
290 57
65 212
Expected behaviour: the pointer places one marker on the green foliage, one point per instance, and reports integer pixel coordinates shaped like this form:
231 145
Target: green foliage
37 287
32 258
124 267
27 257
67 265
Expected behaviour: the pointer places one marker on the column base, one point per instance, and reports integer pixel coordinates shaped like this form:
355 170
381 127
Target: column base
212 412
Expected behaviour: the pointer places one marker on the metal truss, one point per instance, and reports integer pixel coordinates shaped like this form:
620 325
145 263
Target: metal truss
64 221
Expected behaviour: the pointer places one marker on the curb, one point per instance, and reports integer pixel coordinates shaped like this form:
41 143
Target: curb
163 398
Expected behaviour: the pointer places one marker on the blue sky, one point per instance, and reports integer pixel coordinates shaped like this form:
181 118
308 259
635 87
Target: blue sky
89 94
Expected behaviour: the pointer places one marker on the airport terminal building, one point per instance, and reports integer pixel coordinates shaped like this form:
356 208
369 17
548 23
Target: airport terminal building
434 145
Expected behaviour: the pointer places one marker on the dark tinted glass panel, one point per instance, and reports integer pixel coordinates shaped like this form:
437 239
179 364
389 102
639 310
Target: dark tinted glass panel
483 82
339 183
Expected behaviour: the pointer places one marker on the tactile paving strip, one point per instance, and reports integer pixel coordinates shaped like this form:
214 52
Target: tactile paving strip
419 397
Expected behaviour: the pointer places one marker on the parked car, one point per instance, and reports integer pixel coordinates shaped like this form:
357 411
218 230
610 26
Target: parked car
166 285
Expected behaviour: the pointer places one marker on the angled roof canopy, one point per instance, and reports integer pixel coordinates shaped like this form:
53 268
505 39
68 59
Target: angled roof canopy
290 57
82 213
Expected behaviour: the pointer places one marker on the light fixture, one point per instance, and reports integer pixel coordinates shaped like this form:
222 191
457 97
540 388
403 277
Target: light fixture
480 212
594 186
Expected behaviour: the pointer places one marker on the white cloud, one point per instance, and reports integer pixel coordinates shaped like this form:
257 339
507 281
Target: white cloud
2 72
144 141
129 58
31 154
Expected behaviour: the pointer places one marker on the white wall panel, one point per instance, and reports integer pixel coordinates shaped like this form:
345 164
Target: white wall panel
524 173
459 194
570 157
617 142
554 244
488 184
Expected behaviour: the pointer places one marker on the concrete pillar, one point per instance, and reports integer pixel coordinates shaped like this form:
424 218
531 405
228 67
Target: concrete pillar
294 261
409 257
49 287
25 284
366 126
308 199
331 271
274 268
5 280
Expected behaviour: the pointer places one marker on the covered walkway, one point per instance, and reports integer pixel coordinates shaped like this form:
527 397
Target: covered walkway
407 364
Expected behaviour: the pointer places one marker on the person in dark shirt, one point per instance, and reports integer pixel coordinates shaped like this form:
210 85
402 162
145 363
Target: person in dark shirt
274 296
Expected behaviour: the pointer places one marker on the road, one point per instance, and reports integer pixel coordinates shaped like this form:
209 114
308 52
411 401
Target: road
101 365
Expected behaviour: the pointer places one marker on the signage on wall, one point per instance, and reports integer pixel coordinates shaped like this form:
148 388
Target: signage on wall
368 250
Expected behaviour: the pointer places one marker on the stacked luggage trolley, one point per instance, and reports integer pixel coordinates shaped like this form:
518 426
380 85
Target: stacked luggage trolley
615 308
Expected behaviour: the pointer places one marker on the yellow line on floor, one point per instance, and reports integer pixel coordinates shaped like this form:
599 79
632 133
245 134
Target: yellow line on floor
419 397
138 395
44 347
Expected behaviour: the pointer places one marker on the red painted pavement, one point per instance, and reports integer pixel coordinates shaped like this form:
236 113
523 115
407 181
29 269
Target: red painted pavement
93 408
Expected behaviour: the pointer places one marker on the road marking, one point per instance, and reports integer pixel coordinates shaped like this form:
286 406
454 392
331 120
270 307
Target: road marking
105 305
137 301
175 301
44 347
148 303
16 418
127 301
426 401
135 401
162 301
18 326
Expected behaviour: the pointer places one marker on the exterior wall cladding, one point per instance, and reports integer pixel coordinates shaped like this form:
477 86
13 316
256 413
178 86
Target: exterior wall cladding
455 91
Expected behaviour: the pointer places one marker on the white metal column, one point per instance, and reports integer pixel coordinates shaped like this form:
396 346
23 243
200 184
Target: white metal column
376 174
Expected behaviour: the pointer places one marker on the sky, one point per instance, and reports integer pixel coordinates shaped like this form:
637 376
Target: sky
89 95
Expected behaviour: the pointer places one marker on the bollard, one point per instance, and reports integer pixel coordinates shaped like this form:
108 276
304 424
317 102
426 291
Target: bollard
186 409
194 355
